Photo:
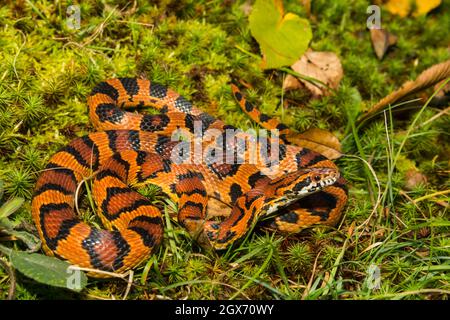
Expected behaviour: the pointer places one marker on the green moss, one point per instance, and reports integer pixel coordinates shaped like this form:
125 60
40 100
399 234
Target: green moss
47 71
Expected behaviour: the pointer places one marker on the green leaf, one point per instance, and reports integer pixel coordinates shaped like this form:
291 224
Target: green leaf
10 207
48 270
283 39
353 103
33 243
6 224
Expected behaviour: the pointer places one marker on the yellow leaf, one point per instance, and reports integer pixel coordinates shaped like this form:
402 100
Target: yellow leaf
279 6
399 7
425 6
403 7
282 38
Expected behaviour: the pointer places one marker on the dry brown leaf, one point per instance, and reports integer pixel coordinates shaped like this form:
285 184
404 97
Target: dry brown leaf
373 245
291 83
381 41
379 233
351 229
323 66
413 178
444 91
423 253
441 99
321 141
426 79
246 7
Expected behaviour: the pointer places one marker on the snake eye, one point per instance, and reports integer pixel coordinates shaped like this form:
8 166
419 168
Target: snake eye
317 178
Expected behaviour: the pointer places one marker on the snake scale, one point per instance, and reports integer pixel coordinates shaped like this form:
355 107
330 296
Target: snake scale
131 149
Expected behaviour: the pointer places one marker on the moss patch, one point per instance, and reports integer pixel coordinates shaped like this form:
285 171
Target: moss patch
47 70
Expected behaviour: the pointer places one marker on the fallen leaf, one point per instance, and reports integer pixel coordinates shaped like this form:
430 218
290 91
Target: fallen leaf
426 79
373 245
323 66
246 7
414 178
442 203
408 168
381 41
321 141
351 229
379 233
445 91
403 8
283 38
386 212
423 233
423 253
398 7
425 6
442 97
291 83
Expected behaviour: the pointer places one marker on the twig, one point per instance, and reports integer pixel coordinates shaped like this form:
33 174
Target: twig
445 111
130 282
310 282
379 196
408 293
12 279
106 273
17 54
403 193
431 196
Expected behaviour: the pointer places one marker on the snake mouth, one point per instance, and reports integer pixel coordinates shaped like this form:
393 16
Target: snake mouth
316 186
312 180
305 183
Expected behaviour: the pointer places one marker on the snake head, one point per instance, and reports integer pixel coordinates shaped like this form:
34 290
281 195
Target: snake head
277 194
296 185
314 179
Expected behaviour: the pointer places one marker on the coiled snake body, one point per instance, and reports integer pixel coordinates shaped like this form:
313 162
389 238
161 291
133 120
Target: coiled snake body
131 150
